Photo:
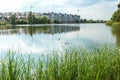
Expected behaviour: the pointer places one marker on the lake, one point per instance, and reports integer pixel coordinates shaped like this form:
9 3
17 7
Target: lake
46 38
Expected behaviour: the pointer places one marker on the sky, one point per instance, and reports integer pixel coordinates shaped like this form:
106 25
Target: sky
87 9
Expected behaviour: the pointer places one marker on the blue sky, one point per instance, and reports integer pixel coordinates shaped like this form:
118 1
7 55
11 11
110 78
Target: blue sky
89 9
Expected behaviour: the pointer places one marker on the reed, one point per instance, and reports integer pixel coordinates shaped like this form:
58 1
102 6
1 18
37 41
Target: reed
97 64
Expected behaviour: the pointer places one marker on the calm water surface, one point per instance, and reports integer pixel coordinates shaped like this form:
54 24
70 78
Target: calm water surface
46 38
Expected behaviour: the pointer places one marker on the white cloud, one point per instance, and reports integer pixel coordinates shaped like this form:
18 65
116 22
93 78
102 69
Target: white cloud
93 10
45 3
103 10
13 5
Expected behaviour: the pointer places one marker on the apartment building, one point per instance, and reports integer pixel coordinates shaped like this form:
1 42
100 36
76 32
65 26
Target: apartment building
59 17
63 18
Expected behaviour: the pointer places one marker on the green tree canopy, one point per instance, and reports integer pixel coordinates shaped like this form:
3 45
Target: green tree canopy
56 21
119 5
13 19
30 18
44 20
116 16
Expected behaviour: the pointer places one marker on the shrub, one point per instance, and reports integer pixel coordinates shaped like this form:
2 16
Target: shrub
21 22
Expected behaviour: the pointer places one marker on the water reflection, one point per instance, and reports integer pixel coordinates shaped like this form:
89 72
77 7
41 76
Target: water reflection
46 38
36 39
37 30
116 33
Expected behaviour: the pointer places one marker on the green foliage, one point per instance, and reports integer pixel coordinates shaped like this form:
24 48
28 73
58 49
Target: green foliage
76 21
92 21
119 5
83 20
21 22
115 19
116 16
98 64
116 24
13 19
33 20
3 23
30 18
56 21
109 23
44 20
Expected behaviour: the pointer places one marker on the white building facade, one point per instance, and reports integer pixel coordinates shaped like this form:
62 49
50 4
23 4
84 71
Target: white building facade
63 18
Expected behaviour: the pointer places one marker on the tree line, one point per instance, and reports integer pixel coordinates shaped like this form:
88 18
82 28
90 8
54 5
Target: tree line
92 21
31 19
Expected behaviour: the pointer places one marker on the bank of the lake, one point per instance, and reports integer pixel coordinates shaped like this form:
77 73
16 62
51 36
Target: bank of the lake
115 18
102 63
113 24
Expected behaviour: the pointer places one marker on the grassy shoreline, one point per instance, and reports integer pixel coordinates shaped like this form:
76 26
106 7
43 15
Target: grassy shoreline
97 64
113 24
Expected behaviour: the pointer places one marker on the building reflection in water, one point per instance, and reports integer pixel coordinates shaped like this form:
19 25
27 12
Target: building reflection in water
116 33
37 30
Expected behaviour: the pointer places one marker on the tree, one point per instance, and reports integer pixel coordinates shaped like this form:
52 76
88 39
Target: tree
119 5
13 19
30 18
56 21
48 21
35 20
116 16
77 21
44 20
21 22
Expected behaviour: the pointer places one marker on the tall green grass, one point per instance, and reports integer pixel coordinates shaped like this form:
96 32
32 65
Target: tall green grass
113 24
97 64
116 24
